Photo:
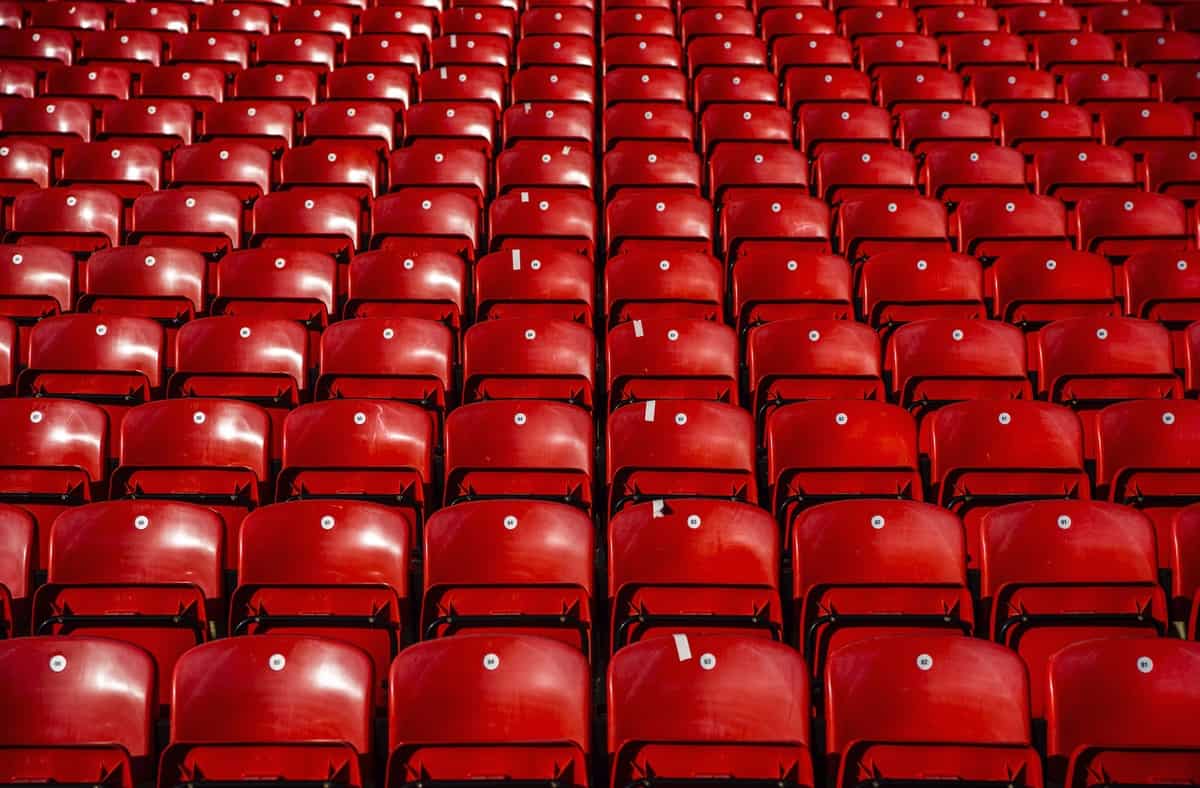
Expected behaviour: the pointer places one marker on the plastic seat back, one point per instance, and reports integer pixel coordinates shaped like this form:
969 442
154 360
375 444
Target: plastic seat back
681 448
867 568
218 456
529 359
726 580
283 706
345 577
1141 734
55 458
664 692
532 284
985 739
160 561
1103 584
518 566
447 696
105 688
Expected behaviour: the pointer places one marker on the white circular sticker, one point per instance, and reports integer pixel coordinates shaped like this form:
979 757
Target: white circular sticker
841 418
1004 418
141 522
708 661
491 661
327 522
36 417
58 663
877 522
276 662
1145 664
681 419
693 521
924 661
1064 522
199 417
360 418
510 522
519 419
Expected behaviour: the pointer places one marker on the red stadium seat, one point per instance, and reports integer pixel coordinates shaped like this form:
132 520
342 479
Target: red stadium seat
936 362
1126 17
727 578
787 222
633 164
240 168
354 121
204 220
1125 224
235 17
165 124
389 86
764 122
1181 561
982 51
544 219
1073 172
35 282
161 283
950 20
156 584
431 167
162 17
828 125
259 360
268 124
1146 458
75 219
845 174
684 285
901 87
663 699
104 686
793 360
345 576
333 167
127 169
850 449
295 86
545 121
891 223
291 707
669 359
866 568
395 358
659 219
429 284
44 473
983 454
644 85
694 449
898 287
334 19
874 21
1092 576
114 361
1139 733
529 359
658 122
217 457
534 284
325 222
519 566
226 51
1162 286
1088 362
871 728
42 49
954 172
813 286
533 449
996 224
196 84
1032 289
372 450
895 50
515 704
737 166
923 128
1041 18
1000 87
18 555
821 50
1058 52
545 165
427 221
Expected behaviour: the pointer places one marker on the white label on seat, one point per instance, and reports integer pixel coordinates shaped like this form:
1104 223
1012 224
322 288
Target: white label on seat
524 196
454 42
443 72
649 410
657 507
637 328
682 647
516 259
